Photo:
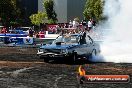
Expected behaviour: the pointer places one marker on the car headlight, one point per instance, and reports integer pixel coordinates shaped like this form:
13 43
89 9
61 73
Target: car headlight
41 50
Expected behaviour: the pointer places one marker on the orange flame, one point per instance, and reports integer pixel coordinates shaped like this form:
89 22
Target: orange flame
81 71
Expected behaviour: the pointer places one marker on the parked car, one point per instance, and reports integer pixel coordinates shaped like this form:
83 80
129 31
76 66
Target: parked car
71 47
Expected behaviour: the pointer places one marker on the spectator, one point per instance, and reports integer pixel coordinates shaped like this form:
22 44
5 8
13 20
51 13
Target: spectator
4 30
58 28
37 35
54 30
94 24
41 34
70 24
75 24
84 24
90 24
31 32
65 25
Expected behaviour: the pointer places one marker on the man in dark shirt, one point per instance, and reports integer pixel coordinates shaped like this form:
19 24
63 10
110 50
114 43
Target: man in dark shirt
31 32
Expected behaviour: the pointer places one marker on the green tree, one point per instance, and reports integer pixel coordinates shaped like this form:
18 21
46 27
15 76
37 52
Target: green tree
8 11
37 19
98 10
94 9
49 8
89 9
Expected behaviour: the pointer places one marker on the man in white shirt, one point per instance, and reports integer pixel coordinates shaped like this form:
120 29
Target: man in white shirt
75 24
70 24
90 25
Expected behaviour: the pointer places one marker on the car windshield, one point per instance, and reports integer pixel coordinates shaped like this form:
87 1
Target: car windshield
67 39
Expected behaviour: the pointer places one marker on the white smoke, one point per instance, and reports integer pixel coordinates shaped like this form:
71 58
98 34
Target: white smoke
117 45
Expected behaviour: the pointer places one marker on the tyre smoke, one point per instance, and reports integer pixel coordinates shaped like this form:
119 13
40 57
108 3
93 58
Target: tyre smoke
117 45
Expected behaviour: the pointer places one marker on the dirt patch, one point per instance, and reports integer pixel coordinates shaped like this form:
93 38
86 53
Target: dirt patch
22 68
18 54
17 50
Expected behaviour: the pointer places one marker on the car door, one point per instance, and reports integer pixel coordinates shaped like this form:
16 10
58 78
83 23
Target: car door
89 44
82 49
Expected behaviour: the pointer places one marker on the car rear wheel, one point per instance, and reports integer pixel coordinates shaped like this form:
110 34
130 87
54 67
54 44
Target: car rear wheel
40 57
74 56
46 60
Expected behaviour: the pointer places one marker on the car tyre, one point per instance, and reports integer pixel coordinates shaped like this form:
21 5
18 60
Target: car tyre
40 57
46 60
74 55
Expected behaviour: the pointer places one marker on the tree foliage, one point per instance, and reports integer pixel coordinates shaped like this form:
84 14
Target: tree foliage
9 11
98 10
37 19
49 8
94 9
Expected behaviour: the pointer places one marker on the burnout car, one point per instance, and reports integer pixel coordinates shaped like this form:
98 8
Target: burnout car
71 47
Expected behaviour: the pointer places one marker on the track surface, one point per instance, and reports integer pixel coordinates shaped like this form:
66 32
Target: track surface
21 68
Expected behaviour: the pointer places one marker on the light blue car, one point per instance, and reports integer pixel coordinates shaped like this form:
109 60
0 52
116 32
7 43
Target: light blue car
70 47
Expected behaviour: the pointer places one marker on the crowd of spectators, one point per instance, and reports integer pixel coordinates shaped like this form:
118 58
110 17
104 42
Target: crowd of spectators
61 28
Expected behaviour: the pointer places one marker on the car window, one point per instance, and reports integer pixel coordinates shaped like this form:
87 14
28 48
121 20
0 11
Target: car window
59 39
67 39
83 39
